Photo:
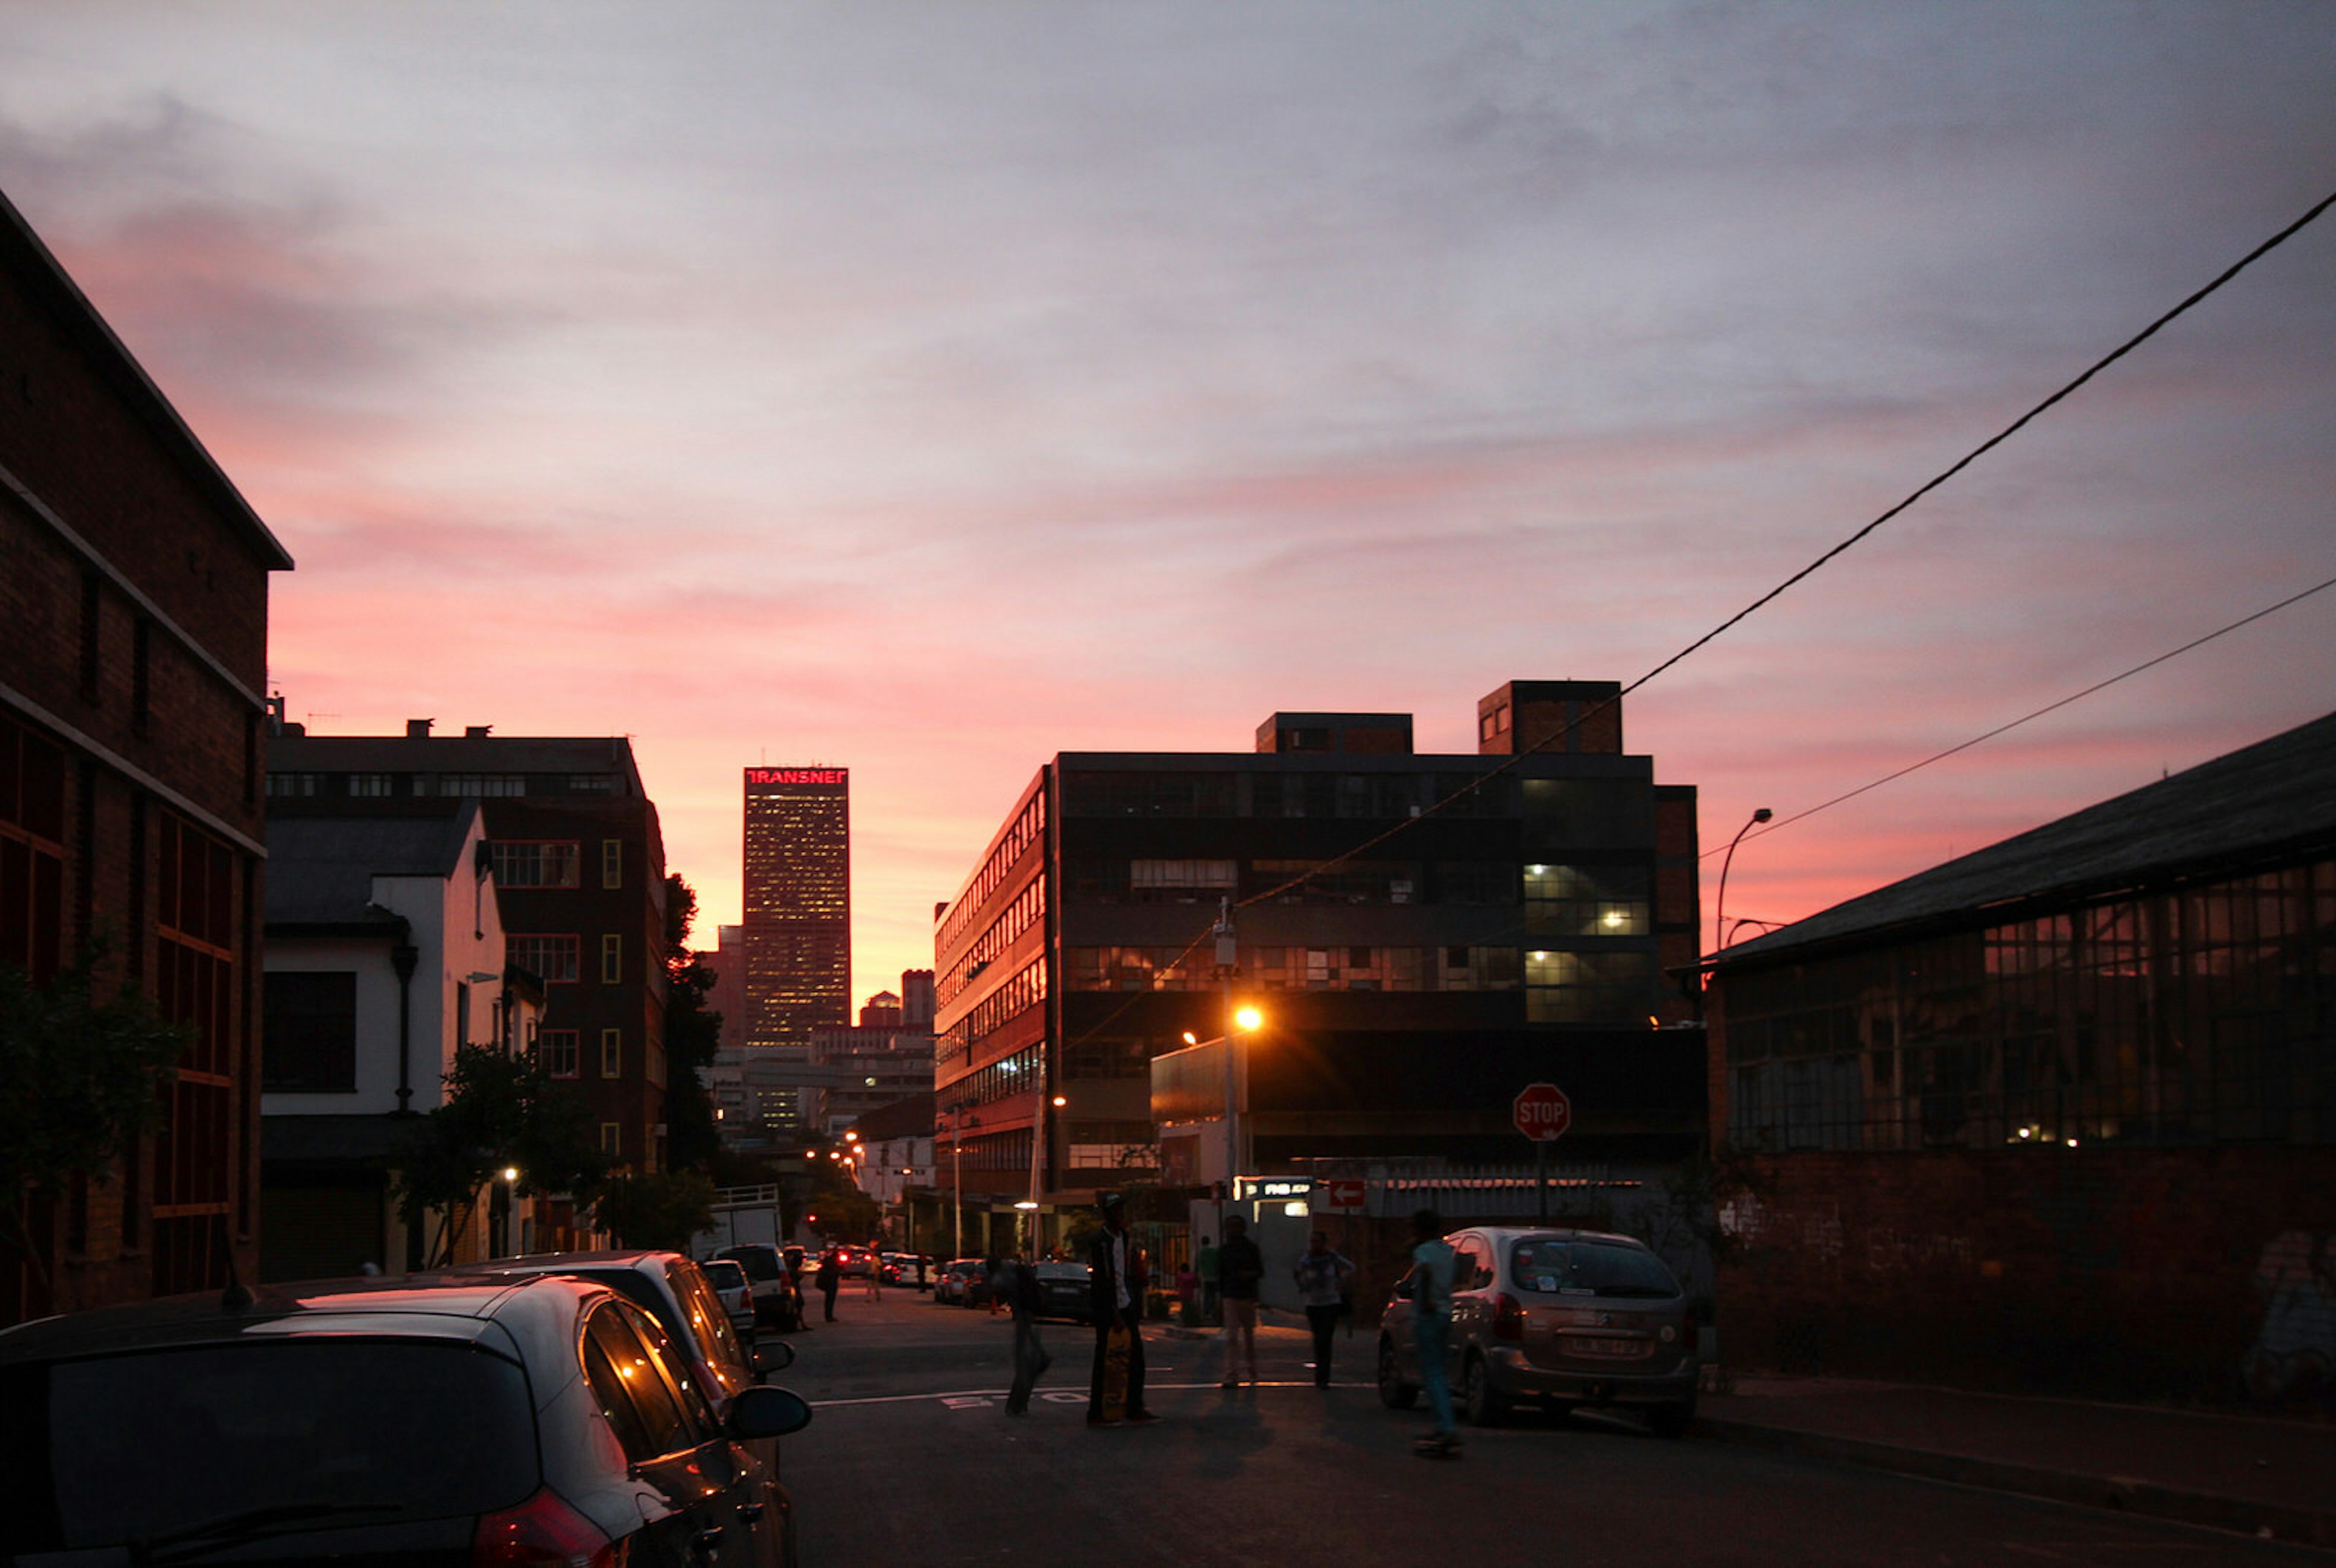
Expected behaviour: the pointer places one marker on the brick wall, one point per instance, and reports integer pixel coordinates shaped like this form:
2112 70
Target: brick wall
2199 1275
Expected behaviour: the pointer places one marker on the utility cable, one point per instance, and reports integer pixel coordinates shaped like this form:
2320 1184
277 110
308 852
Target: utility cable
2039 712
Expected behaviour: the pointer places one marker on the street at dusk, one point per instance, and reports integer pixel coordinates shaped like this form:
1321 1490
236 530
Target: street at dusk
1563 769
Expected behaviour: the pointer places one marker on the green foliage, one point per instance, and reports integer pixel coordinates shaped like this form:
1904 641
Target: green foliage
693 1031
499 1111
663 1210
79 1076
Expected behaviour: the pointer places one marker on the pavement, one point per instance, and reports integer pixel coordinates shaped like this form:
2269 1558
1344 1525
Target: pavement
2272 1478
2261 1477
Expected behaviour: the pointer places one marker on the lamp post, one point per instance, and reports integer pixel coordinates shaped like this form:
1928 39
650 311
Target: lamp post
1243 1021
1719 904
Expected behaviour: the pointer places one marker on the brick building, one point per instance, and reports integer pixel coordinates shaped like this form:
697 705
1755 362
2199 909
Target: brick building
1418 962
580 871
2059 1112
133 638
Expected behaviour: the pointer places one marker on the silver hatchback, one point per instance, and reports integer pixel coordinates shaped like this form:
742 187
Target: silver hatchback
1563 1318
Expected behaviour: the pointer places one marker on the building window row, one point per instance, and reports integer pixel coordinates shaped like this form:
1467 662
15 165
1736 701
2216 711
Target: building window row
1029 825
1028 907
1026 989
1283 792
32 851
1562 899
1588 902
384 785
1015 1074
544 863
1613 988
2198 1017
1302 969
551 957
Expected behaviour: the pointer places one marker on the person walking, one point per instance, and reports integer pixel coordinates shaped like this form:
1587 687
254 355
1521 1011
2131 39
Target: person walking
1240 1267
1031 1357
831 1278
1115 1301
875 1290
1204 1263
1323 1277
1431 1327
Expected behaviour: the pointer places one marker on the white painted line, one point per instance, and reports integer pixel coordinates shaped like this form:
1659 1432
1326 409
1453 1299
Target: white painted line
978 1398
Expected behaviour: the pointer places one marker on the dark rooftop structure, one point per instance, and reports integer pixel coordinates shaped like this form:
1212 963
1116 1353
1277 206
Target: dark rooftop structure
321 869
2263 805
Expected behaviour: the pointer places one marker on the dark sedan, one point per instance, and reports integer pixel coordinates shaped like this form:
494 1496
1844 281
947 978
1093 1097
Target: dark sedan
1063 1291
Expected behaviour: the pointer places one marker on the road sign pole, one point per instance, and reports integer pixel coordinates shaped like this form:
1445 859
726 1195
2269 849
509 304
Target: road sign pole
1541 1180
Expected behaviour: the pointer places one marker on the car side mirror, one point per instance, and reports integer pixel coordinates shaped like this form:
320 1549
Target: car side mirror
767 1413
774 1355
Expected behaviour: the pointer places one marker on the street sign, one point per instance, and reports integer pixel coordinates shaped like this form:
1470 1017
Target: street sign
1543 1113
1344 1194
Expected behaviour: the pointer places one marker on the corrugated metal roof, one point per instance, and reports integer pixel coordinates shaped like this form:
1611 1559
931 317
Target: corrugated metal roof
2255 805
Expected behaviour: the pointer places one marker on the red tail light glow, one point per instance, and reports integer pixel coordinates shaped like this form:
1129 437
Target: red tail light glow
1508 1317
544 1532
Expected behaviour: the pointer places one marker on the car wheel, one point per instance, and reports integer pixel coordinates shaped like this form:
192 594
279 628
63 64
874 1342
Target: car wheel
1672 1421
1483 1404
1393 1392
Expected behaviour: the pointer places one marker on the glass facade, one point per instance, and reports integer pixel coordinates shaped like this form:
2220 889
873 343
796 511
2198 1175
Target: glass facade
2200 1017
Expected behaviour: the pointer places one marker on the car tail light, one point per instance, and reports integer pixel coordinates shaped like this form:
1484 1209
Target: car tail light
544 1532
1508 1317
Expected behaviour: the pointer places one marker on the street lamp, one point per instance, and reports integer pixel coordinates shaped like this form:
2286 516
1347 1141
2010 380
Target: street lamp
1719 904
1244 1020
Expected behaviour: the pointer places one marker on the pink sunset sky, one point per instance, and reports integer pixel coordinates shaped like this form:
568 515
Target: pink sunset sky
928 389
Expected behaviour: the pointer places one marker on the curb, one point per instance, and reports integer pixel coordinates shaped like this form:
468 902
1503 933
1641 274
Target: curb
2113 1493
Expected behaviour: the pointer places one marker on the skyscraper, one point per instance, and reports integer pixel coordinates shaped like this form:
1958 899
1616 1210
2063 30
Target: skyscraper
798 904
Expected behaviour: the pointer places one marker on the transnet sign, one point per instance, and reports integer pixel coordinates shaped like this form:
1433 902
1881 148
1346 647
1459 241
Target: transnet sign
797 776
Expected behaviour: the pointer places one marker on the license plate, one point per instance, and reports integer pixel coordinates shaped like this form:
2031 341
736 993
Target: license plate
1604 1349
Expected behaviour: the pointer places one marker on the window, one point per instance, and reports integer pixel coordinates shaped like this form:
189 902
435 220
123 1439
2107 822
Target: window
292 785
558 1051
141 675
308 1043
1159 879
612 960
491 784
612 1139
32 851
548 863
612 863
612 1053
1597 987
551 959
591 783
633 1387
370 785
92 592
461 1012
1588 901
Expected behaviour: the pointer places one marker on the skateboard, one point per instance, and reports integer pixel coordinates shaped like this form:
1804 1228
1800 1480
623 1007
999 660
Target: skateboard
1114 1373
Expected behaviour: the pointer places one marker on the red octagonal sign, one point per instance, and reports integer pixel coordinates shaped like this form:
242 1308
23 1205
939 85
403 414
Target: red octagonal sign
1543 1113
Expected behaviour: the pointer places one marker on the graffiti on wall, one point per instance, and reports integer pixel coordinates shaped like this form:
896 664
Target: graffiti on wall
2296 1350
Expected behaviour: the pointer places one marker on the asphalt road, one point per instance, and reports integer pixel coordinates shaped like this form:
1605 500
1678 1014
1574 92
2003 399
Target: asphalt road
912 1460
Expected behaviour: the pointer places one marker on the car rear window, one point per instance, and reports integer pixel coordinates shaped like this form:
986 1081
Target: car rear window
1580 1268
759 1264
724 1275
109 1451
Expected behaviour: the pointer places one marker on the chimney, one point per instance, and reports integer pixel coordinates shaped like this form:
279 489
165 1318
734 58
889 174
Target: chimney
418 728
476 731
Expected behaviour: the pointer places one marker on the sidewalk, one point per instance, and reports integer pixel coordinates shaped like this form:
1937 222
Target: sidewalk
2258 1476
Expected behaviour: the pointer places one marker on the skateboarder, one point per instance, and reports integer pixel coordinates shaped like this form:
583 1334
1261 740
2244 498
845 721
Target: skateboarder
1116 1299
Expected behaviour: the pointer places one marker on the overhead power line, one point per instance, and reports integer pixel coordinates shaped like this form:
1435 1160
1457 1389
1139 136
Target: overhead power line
2195 642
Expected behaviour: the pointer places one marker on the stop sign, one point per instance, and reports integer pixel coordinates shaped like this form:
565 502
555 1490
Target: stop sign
1543 1113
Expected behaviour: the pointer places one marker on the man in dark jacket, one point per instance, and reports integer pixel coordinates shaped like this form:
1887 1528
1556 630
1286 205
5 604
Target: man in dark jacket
1116 1294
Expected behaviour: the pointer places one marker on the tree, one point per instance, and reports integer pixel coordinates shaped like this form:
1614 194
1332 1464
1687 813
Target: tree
693 1032
80 1078
662 1210
499 1111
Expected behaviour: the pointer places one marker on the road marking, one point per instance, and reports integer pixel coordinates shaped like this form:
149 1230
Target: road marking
979 1398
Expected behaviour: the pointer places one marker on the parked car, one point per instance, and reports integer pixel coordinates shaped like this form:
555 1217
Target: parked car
1564 1318
1063 1291
958 1280
736 1293
777 1278
674 1291
421 1418
907 1269
856 1262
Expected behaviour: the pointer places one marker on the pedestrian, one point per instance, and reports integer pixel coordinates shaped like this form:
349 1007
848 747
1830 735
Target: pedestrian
1323 1277
1188 1285
1430 1283
1031 1357
875 1292
1240 1267
993 1276
831 1277
1115 1301
1204 1263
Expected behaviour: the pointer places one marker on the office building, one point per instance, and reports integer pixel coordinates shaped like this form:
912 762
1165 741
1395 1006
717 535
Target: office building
133 648
798 903
1425 934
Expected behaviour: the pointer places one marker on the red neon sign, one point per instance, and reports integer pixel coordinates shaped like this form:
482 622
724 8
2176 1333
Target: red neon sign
797 776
